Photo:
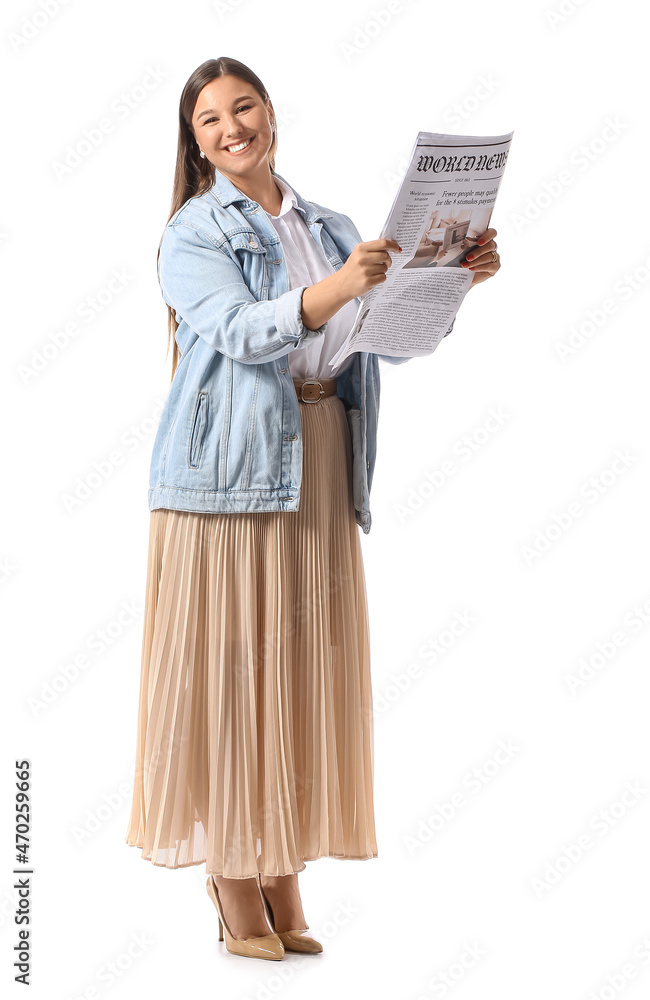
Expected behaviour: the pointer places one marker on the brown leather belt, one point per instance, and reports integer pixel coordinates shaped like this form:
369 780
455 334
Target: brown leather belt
312 390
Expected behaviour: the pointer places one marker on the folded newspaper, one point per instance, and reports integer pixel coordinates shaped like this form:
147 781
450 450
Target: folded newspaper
441 208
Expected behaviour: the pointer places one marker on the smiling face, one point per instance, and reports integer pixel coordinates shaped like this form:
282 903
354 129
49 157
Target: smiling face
229 113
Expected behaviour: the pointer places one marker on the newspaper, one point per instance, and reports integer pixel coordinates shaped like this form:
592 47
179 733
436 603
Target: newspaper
441 208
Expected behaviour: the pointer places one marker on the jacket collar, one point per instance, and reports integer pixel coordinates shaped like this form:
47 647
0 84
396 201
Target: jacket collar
227 194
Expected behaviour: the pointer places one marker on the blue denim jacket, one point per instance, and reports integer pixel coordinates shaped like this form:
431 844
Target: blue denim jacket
229 438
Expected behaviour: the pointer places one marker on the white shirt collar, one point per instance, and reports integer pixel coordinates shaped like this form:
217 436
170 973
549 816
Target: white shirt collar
289 200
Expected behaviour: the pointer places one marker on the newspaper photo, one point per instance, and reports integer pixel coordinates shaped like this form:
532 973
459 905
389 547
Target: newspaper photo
441 208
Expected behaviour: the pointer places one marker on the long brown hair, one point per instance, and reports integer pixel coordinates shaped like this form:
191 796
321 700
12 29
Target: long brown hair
195 174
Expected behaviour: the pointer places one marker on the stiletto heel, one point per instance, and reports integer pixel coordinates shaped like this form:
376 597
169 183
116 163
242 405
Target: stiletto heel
268 946
292 940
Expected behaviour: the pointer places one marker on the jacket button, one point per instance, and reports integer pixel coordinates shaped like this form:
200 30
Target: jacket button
253 244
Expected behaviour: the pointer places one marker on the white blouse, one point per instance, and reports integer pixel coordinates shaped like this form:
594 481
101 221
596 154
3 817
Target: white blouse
307 264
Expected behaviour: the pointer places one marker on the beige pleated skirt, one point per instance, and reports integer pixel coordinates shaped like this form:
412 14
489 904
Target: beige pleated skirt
255 726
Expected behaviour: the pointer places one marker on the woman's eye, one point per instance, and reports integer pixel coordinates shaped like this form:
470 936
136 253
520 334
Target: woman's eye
244 107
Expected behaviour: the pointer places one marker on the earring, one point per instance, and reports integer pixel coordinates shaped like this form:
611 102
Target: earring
202 154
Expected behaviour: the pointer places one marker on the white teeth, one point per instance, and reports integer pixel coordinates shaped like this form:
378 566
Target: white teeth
242 145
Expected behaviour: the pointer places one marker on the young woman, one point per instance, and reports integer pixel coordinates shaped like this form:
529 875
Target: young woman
255 742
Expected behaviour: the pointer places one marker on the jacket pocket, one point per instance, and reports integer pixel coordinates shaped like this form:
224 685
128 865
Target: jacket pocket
354 422
252 262
197 434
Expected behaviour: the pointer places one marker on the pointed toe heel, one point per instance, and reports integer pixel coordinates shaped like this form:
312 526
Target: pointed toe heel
268 946
292 940
299 941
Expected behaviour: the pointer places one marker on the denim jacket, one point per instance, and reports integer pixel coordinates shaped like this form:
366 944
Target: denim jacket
229 437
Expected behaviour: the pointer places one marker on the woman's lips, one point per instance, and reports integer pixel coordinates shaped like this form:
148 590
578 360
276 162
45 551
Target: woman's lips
240 151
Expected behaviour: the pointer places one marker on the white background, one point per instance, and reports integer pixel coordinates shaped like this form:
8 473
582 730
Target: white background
351 87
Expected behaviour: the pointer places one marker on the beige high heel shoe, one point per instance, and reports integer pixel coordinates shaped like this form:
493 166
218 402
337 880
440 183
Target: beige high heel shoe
292 940
269 946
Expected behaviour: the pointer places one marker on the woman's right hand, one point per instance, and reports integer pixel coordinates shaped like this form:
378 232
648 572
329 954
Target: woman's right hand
366 266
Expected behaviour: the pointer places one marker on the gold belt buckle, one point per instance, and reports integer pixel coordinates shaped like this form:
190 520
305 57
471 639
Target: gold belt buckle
311 399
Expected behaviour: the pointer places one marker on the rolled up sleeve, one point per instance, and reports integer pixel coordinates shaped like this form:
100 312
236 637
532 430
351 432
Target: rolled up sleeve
206 288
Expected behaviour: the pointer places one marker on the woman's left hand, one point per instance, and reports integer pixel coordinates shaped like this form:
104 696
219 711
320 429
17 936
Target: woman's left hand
484 262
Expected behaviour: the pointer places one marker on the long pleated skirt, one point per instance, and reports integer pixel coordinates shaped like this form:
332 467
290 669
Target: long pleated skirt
255 723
